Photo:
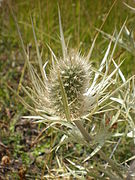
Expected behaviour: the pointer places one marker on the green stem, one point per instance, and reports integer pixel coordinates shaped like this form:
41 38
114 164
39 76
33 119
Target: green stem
85 134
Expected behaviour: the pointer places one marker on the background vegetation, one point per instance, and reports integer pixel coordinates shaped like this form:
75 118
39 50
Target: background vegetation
26 157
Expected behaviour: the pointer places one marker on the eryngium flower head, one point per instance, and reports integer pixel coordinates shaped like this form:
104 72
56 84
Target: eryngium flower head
66 93
75 73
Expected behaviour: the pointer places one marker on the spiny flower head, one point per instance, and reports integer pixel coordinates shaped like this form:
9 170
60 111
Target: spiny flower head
67 92
75 73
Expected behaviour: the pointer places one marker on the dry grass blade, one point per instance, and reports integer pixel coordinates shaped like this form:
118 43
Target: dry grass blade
64 99
38 53
93 43
64 48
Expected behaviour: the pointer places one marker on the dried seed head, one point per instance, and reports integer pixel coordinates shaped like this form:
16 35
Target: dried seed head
75 75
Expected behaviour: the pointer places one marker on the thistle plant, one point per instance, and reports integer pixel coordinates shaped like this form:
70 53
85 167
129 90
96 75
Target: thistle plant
126 100
72 93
